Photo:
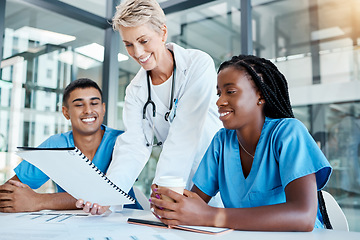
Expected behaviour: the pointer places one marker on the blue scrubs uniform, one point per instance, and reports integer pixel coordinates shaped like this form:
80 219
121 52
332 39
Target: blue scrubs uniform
35 178
285 151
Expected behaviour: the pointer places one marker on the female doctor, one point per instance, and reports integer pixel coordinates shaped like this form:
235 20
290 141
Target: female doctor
170 103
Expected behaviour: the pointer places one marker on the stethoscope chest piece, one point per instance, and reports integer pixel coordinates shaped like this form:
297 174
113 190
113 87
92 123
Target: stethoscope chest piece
170 115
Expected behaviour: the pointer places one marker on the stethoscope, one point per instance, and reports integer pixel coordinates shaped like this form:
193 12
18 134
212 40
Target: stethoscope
170 115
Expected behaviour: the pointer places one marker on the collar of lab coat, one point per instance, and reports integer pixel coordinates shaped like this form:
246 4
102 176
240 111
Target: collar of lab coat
183 63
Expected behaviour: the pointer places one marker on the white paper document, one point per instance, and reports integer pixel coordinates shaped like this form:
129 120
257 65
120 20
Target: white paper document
76 174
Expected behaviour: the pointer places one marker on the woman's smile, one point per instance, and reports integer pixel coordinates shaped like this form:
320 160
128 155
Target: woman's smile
143 60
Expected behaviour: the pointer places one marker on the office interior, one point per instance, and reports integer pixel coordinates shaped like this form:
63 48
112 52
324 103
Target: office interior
315 43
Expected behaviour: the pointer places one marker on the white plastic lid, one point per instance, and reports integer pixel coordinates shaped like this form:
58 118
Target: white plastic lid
171 181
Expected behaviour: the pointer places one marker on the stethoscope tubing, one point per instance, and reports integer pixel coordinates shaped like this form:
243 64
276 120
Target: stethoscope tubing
151 102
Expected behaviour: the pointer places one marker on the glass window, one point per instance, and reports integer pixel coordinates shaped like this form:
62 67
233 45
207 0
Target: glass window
213 28
42 53
316 45
94 6
49 73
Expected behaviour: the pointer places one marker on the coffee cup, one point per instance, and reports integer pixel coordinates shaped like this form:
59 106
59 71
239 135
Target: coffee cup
174 183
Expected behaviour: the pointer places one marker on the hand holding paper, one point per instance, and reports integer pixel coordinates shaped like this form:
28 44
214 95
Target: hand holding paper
88 207
76 174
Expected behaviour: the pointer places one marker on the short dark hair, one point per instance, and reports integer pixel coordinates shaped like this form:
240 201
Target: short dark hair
269 80
79 83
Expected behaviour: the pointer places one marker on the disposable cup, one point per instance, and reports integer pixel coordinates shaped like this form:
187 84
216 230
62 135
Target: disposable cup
177 184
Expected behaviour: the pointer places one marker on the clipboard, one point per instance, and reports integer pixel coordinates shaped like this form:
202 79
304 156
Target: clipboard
198 229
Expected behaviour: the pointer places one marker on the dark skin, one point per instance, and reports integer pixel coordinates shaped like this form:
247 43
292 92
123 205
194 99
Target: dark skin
298 213
16 196
241 108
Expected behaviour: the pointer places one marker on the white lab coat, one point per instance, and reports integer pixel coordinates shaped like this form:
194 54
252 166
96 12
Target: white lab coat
186 139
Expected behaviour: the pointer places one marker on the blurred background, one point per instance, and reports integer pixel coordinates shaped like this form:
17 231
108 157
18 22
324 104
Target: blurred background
315 43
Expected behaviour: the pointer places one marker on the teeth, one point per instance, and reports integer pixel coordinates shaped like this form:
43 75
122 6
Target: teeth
144 59
224 114
88 119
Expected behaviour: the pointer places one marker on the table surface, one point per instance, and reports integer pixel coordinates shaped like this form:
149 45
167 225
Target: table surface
72 225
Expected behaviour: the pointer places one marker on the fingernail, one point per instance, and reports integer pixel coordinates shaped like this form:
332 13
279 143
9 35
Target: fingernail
155 189
157 196
149 199
153 211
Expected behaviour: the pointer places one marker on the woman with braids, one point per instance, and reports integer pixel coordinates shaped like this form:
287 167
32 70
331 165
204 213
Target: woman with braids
264 162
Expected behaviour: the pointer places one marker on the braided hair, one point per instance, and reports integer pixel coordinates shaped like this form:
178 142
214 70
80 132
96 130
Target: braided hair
269 80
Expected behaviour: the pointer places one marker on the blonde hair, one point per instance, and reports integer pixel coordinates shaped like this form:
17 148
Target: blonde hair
133 13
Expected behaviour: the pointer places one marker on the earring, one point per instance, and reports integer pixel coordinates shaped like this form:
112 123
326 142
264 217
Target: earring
260 102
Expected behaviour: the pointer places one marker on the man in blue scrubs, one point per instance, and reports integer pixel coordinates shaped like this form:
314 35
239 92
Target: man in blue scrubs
83 106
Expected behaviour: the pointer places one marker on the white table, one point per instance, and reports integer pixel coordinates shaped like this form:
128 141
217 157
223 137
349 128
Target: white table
114 226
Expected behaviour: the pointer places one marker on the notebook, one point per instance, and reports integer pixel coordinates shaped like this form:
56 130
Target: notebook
198 229
76 174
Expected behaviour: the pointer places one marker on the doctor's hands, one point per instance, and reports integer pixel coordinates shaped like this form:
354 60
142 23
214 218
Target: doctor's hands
188 209
96 209
18 197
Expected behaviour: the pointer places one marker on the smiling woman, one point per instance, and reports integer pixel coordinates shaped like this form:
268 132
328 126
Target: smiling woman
162 102
264 162
147 47
237 99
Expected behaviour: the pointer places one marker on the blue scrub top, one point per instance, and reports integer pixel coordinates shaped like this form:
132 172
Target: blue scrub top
35 178
285 151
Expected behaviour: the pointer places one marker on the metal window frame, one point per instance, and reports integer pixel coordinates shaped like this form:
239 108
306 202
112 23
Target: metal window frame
2 27
111 41
110 66
173 6
110 72
246 27
71 12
